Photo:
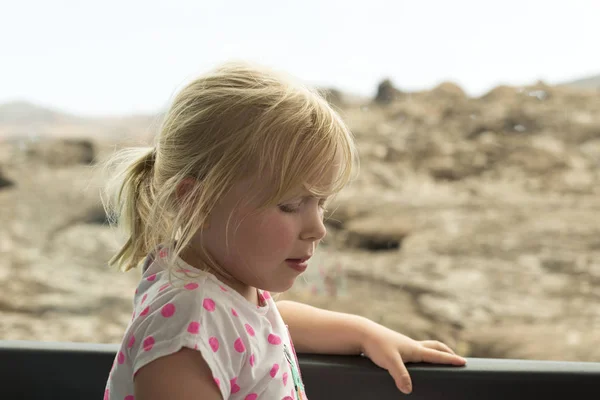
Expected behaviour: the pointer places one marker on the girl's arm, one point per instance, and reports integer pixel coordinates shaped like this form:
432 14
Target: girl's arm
319 331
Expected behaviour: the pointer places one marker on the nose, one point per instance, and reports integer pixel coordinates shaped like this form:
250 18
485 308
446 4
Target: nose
314 229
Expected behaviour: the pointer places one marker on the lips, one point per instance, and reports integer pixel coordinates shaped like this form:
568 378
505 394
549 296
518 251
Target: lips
298 264
300 260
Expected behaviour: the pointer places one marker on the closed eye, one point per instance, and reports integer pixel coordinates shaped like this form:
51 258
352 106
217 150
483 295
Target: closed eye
288 208
292 208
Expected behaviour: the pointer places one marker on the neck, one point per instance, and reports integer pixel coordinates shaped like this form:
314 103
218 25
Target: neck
193 258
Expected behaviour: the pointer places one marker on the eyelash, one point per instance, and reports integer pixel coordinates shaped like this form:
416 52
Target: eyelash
289 209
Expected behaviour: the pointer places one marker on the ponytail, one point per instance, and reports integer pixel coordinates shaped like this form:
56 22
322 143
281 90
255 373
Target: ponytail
130 195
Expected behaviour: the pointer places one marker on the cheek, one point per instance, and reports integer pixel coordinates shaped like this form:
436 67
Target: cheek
270 233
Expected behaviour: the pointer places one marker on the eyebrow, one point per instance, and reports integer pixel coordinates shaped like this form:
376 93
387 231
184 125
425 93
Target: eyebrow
305 197
308 197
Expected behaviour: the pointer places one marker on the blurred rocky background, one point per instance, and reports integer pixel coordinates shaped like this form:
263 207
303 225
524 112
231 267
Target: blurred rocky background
475 221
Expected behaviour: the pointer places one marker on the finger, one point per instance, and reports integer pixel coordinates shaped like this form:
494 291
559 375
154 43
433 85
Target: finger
440 357
437 345
400 374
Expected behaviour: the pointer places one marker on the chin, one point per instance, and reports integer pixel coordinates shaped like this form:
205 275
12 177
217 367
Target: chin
280 287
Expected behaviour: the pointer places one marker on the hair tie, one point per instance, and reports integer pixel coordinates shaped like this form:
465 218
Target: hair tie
150 159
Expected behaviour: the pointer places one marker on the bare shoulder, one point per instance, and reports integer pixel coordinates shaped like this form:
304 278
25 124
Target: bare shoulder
179 376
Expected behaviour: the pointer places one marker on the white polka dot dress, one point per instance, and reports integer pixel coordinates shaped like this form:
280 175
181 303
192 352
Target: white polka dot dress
247 347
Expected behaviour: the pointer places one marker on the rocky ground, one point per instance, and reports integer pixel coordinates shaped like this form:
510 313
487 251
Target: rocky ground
473 221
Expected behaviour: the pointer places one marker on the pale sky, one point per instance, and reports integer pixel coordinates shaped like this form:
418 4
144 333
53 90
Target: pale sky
130 56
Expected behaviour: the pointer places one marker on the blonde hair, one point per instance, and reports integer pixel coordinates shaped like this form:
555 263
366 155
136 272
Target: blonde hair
234 122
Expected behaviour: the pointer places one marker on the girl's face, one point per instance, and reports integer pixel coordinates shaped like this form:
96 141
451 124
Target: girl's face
264 249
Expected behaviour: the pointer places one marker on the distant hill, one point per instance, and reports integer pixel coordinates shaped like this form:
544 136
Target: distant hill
592 82
18 112
25 119
20 119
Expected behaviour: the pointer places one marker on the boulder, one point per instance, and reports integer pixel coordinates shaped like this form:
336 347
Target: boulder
4 181
62 152
377 233
387 93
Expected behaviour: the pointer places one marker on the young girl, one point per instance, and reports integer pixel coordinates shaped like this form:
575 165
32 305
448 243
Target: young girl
226 208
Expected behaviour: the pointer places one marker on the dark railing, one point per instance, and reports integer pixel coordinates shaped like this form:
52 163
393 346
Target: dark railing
65 371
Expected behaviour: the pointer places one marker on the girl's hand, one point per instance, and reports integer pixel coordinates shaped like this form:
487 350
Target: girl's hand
390 350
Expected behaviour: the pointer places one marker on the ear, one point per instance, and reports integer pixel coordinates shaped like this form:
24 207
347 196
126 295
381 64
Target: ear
185 187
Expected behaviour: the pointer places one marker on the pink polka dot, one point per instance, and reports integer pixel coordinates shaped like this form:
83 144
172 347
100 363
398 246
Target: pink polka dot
151 278
252 360
163 287
106 394
222 288
136 290
214 343
209 304
288 398
130 397
274 370
285 378
251 396
163 253
131 341
191 286
274 339
144 297
239 345
267 295
234 386
235 314
168 310
217 381
194 327
120 357
249 330
148 343
145 311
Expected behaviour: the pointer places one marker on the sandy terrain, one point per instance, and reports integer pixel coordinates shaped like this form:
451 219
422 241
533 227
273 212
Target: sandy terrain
473 221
